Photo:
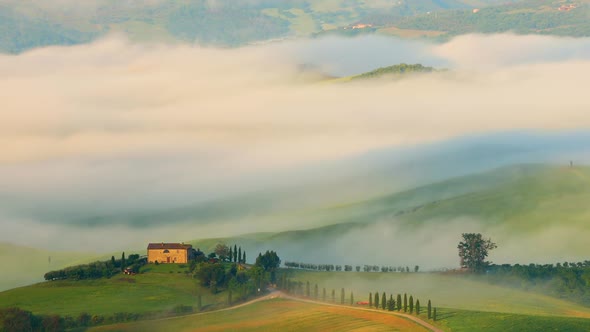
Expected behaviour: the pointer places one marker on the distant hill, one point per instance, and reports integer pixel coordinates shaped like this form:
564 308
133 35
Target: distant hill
517 206
29 24
395 70
548 17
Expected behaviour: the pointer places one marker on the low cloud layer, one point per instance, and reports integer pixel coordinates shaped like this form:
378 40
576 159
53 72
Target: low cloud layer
114 126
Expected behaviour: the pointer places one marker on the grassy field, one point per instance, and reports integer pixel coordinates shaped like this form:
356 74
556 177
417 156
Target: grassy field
467 321
286 315
443 290
276 315
160 288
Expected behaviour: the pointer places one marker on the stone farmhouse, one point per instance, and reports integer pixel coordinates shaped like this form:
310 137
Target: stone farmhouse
165 253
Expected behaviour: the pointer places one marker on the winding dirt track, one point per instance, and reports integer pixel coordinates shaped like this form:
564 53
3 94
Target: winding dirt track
406 316
278 294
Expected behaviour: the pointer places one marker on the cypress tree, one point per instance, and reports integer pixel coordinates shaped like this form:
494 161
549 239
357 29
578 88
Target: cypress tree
434 315
324 295
315 291
411 304
244 257
429 310
377 300
236 258
399 302
113 261
370 299
417 307
307 290
240 255
342 296
231 254
405 302
384 301
391 303
123 266
351 299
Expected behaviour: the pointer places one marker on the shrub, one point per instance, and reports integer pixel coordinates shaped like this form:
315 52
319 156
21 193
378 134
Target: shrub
182 309
15 320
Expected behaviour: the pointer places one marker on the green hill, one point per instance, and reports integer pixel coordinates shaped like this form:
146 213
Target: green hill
524 17
159 288
524 198
276 315
279 314
517 205
449 291
396 72
26 25
400 69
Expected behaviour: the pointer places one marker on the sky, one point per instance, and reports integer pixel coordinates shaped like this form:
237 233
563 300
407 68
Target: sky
121 127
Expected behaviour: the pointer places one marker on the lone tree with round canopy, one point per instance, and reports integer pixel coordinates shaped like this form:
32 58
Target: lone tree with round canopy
473 251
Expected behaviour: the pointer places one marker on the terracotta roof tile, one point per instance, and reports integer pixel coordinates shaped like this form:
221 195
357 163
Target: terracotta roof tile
169 246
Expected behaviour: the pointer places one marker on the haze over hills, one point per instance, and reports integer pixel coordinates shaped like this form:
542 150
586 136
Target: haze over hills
135 154
517 205
32 263
438 149
29 24
303 196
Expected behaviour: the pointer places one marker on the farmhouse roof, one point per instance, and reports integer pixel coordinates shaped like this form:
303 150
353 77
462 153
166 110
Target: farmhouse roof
169 246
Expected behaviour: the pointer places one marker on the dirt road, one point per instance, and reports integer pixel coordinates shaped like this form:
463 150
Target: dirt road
414 319
278 294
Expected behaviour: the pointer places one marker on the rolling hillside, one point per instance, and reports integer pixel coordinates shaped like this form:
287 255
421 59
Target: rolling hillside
158 288
29 24
277 315
162 288
449 291
515 205
284 315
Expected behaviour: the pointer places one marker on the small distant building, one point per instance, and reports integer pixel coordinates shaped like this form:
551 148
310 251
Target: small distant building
566 8
475 10
166 253
361 26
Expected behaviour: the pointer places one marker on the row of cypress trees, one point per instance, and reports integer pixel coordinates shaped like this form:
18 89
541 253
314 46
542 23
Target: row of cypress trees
377 300
407 304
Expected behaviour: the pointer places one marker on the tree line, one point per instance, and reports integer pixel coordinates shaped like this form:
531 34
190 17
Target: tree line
377 300
349 268
565 280
569 280
98 269
14 319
